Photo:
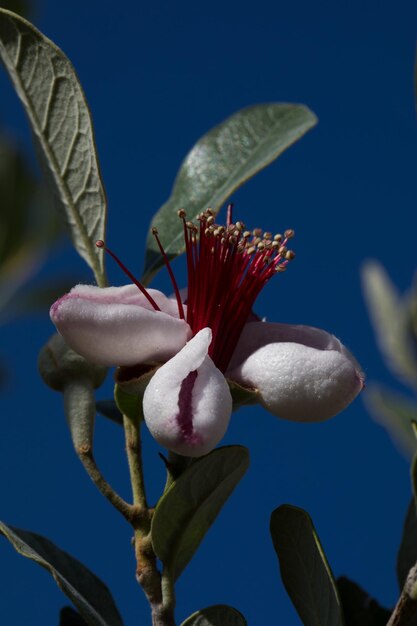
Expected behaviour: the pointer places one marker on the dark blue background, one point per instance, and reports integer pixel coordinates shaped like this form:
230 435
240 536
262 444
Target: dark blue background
157 76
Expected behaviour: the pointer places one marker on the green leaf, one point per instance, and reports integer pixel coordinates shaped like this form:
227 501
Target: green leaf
407 554
390 316
53 99
69 617
220 162
191 504
217 615
108 408
395 413
304 569
358 607
91 596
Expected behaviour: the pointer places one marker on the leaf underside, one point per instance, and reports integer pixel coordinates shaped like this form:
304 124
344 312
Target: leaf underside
89 594
49 89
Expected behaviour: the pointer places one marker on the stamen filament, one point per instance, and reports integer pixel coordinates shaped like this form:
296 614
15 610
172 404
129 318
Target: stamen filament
171 275
101 244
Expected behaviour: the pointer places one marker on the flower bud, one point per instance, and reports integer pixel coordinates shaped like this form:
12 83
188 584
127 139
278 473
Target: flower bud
64 370
187 404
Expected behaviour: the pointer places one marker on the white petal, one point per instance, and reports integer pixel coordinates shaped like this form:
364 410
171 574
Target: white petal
118 326
187 404
302 373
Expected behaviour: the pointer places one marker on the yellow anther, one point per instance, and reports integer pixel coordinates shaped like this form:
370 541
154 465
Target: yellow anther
267 235
247 234
278 237
282 251
280 268
182 214
251 250
257 232
289 234
261 246
240 226
290 255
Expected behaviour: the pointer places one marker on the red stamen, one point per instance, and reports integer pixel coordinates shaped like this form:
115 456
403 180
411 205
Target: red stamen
227 269
171 274
101 244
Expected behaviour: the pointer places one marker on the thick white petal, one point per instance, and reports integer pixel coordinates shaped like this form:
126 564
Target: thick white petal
187 404
302 373
118 326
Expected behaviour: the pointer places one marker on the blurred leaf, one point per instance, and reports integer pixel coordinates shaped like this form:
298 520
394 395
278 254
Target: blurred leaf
191 504
49 89
220 162
22 7
407 554
304 569
217 615
16 190
35 299
69 617
82 587
108 408
395 413
358 607
390 316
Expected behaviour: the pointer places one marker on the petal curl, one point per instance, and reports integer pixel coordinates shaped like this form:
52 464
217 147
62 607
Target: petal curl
187 404
118 326
302 373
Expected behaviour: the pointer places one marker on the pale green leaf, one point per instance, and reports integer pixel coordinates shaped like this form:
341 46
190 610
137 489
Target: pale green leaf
304 569
191 504
390 316
53 99
220 162
217 615
89 594
395 413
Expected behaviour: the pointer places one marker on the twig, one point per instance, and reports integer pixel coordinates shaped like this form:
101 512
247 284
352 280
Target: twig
406 606
86 457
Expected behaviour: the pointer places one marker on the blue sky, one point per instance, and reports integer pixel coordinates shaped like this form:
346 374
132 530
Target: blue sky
157 76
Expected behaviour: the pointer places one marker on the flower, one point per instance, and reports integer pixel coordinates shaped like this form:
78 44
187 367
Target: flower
299 372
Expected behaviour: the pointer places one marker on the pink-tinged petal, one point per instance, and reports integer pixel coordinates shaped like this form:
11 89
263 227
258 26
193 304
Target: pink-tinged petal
187 404
302 373
118 326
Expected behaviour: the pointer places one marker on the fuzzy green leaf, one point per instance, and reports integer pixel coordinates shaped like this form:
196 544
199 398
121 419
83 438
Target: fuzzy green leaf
89 594
217 615
48 87
304 569
219 163
395 413
191 504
